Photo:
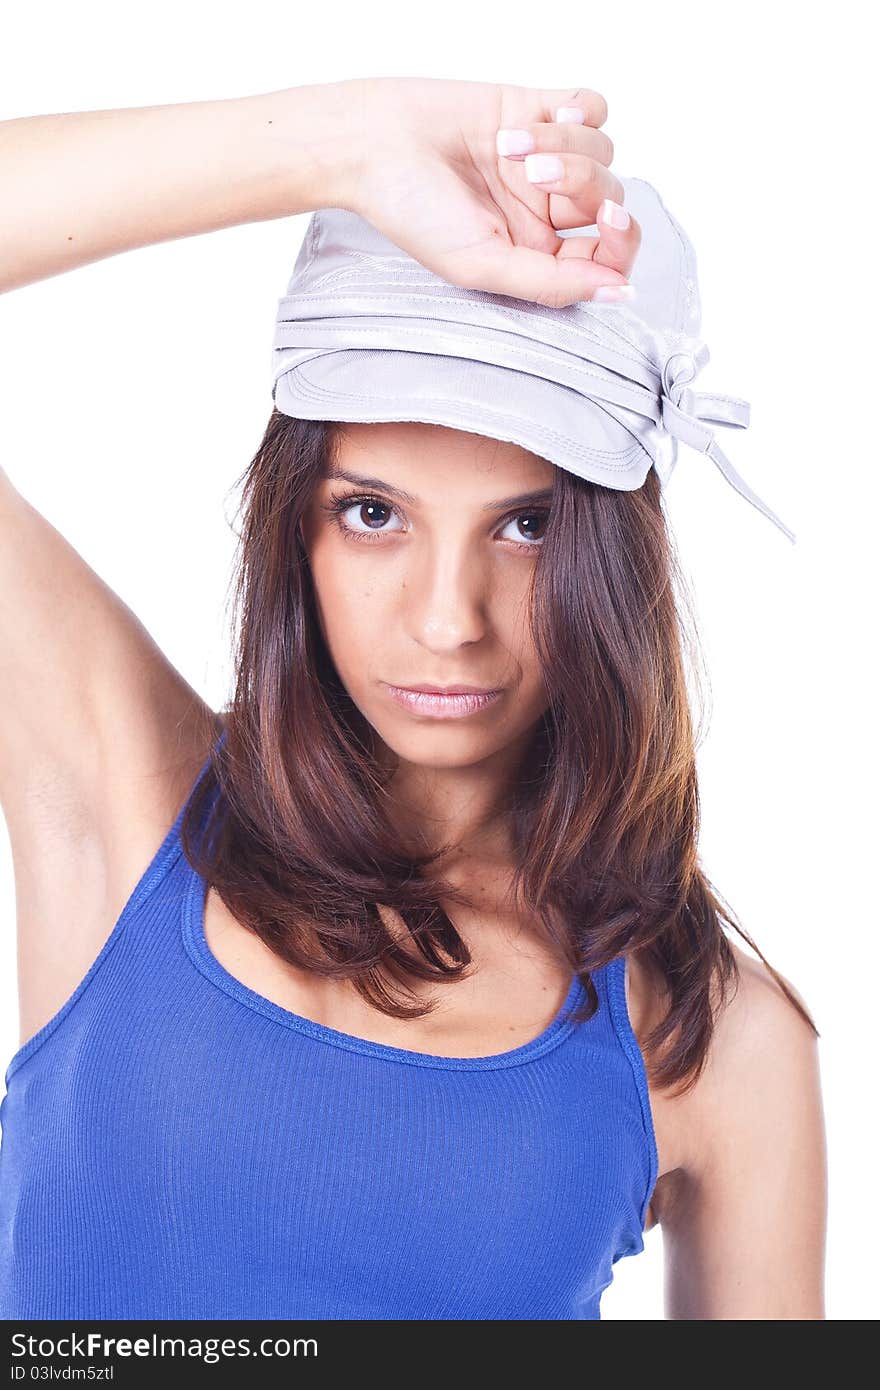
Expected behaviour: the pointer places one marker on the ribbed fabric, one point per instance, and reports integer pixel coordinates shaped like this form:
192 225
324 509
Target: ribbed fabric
174 1145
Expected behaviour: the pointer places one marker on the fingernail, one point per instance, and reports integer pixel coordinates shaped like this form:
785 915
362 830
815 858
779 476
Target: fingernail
605 293
614 214
514 142
570 113
543 168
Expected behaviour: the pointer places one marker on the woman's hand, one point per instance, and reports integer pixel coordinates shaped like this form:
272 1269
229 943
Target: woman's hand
426 171
416 156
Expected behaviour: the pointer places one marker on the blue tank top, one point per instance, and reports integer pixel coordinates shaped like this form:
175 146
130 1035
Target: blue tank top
174 1145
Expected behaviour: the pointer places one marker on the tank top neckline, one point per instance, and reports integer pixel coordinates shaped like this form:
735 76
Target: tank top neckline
200 953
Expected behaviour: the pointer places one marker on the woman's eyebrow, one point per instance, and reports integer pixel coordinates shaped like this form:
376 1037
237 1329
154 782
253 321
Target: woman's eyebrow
360 480
523 499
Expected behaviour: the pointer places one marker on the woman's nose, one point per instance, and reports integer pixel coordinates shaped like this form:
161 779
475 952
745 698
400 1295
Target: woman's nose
446 599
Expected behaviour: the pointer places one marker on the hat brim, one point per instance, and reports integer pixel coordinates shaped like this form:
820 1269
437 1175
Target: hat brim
599 441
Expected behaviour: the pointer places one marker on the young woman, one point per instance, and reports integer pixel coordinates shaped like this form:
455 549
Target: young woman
378 1002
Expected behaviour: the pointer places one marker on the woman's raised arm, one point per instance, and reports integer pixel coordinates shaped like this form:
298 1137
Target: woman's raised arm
82 185
418 157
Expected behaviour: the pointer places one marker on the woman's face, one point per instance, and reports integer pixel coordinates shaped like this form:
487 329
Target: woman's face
422 573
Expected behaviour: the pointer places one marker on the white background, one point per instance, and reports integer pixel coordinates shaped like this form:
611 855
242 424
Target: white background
134 391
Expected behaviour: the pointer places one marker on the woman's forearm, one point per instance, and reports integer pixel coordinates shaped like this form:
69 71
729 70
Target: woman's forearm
78 186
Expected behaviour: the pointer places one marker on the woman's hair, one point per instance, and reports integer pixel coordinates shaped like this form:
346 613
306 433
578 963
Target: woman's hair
299 843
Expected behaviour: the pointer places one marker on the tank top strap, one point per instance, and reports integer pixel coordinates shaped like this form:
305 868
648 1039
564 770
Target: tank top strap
614 983
218 741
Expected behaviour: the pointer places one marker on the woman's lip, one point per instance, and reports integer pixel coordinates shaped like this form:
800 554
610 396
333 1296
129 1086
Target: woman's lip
439 704
449 689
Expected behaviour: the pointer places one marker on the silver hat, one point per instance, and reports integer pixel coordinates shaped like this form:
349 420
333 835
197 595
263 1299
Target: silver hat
366 332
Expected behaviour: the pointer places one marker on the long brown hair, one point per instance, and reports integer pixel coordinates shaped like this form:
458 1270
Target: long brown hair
299 844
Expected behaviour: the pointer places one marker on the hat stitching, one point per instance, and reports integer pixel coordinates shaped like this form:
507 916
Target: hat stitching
573 333
582 451
579 367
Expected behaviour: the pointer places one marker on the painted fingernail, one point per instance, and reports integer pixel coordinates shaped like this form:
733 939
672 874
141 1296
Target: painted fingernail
614 214
543 168
570 113
606 293
514 142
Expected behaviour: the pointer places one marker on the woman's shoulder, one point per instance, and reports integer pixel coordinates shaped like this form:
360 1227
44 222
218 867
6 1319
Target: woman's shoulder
763 1052
756 1014
758 1022
761 1071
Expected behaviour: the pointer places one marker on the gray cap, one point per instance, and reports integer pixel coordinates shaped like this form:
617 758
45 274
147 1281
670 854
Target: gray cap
366 332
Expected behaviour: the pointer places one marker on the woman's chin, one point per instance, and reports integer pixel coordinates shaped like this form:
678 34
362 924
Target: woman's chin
439 744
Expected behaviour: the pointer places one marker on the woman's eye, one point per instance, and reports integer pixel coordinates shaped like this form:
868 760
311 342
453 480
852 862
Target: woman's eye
363 517
528 528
